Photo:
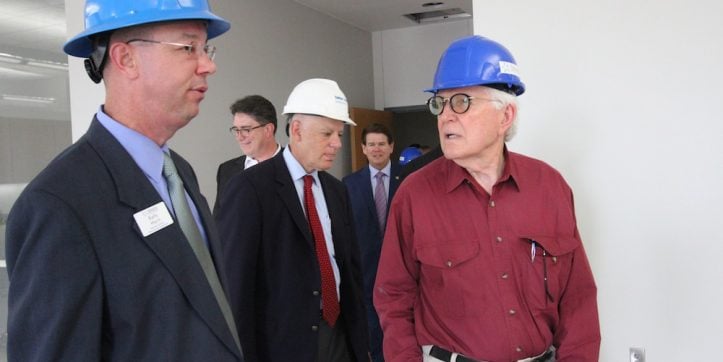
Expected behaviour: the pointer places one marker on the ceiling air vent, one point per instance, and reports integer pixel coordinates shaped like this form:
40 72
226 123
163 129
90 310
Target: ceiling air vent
438 16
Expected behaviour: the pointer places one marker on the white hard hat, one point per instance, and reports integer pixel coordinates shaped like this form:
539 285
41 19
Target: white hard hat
321 97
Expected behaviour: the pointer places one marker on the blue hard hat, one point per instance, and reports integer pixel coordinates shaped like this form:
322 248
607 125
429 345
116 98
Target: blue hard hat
106 15
408 154
476 60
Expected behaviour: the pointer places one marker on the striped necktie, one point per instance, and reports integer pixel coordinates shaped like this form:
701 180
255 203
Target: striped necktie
188 225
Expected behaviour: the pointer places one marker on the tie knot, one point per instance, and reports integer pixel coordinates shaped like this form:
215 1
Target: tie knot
308 180
169 168
380 175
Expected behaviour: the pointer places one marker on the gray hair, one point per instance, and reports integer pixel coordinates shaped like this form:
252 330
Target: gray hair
504 99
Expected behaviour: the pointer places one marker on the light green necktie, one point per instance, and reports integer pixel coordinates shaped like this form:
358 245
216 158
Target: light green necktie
189 227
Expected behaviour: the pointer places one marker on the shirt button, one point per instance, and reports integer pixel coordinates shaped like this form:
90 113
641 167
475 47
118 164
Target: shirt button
314 328
315 293
554 259
449 263
499 239
492 203
505 276
518 349
512 312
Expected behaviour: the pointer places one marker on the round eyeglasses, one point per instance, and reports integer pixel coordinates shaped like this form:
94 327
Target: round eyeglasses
459 103
243 131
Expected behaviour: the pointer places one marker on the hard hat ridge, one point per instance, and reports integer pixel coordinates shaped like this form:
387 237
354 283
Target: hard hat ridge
320 97
476 60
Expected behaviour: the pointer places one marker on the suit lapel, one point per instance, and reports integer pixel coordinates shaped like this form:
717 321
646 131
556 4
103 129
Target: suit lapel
366 189
336 214
287 193
169 244
393 183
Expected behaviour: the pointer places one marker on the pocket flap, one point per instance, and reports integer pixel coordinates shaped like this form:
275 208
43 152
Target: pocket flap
555 245
448 255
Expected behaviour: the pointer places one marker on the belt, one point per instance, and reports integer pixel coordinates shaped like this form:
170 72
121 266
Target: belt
445 355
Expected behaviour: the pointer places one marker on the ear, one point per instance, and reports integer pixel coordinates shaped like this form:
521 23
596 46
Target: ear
508 116
295 129
123 58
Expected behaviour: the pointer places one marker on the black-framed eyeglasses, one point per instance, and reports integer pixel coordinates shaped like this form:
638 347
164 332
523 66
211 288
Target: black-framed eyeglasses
192 49
459 103
243 131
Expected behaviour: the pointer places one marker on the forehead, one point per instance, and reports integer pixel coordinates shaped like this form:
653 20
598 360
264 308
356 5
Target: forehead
319 122
376 137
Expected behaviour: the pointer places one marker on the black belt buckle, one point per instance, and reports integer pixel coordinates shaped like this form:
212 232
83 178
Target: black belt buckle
445 355
546 357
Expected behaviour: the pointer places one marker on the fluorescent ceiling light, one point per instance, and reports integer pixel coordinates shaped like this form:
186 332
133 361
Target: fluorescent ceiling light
48 65
11 73
436 16
9 58
29 99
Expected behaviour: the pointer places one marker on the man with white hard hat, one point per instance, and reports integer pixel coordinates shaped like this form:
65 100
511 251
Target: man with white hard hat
289 246
111 250
482 259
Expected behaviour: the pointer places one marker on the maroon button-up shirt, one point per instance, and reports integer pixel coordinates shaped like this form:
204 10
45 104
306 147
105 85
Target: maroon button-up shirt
495 277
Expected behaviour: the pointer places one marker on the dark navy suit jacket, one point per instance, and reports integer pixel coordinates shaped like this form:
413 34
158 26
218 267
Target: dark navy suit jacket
86 285
225 171
365 220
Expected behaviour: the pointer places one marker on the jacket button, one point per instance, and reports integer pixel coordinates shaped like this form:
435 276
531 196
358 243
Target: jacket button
315 293
314 328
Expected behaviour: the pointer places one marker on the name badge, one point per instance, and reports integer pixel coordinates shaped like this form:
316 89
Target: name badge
153 218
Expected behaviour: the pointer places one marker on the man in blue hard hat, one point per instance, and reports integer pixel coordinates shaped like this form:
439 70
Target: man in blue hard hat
482 259
111 250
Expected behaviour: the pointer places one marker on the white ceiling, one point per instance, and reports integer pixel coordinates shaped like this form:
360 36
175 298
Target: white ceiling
375 15
33 31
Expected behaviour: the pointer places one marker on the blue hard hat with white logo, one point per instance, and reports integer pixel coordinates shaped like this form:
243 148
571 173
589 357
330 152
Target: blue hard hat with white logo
476 60
107 15
408 154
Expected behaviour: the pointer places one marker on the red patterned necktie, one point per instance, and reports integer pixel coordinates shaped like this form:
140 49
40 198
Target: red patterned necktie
328 283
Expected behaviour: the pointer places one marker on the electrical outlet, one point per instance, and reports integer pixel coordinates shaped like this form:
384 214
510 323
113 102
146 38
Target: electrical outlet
637 354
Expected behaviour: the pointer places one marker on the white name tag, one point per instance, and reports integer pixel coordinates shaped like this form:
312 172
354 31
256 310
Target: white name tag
153 218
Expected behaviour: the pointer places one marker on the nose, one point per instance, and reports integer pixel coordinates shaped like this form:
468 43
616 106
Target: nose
206 65
335 141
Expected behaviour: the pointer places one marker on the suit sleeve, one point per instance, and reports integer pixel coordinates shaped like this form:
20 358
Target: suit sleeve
219 186
239 222
55 307
396 287
356 271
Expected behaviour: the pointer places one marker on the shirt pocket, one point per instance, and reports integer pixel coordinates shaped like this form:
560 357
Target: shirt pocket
445 274
545 268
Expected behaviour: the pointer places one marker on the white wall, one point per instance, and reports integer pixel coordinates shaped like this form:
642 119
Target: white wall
623 97
405 60
271 47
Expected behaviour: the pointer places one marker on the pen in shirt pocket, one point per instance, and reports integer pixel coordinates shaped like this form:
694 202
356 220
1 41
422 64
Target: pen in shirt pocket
533 250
